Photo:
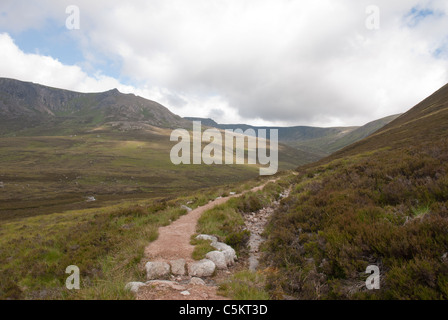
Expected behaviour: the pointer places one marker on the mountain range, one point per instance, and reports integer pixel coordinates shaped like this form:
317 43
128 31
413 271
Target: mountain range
317 142
29 109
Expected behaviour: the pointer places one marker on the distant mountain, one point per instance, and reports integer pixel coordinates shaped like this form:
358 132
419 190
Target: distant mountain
315 141
340 139
361 132
26 105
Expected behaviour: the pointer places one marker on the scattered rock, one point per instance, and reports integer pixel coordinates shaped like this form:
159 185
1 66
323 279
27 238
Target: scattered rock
255 223
165 283
90 199
218 258
186 208
228 251
202 268
230 256
185 293
195 281
1 184
134 286
157 270
232 193
220 246
213 239
178 267
445 256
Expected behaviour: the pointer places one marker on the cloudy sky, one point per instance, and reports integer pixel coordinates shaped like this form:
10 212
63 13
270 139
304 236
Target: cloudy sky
278 62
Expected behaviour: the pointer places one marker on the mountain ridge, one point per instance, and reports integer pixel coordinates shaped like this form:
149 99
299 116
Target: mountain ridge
26 104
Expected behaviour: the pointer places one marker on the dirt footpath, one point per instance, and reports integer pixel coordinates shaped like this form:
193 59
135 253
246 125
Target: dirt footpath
174 243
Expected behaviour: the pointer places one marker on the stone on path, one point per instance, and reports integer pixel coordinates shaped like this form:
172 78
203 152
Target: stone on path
134 286
218 258
178 267
202 268
157 270
195 281
166 283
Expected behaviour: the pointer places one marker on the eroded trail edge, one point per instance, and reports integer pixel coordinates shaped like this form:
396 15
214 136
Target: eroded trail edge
255 222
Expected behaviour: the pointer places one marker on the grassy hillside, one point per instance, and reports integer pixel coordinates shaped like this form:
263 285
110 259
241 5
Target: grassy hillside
45 174
381 201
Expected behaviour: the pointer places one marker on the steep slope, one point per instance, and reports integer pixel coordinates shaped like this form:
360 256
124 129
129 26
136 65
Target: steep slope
382 201
27 108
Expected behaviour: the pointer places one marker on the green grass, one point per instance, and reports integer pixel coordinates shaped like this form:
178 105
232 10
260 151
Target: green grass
245 285
42 175
46 174
226 221
420 211
201 248
106 243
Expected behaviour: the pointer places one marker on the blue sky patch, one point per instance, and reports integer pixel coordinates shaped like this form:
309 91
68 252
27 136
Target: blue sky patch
59 43
442 51
55 42
417 15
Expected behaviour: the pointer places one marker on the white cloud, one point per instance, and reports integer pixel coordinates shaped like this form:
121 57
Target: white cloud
260 61
46 70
